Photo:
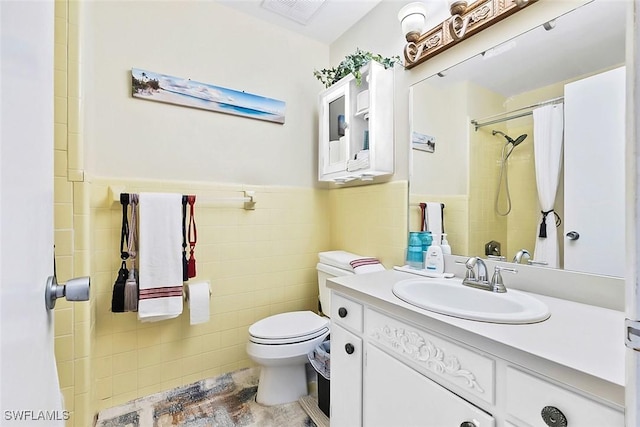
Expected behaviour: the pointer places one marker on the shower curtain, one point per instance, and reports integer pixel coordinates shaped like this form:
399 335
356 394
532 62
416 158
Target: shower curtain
548 132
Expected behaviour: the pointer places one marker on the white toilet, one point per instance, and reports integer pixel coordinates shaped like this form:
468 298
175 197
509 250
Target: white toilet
280 343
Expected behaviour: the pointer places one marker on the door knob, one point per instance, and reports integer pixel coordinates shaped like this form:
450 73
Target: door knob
76 289
573 235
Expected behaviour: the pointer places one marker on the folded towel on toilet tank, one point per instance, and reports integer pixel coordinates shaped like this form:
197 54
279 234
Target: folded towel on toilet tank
343 260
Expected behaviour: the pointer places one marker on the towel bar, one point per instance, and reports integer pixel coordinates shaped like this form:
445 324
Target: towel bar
249 198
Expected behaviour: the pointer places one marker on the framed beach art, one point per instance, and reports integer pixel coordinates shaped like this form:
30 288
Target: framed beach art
180 91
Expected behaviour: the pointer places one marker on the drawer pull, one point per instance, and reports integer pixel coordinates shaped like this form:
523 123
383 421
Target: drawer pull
468 424
342 312
553 417
349 348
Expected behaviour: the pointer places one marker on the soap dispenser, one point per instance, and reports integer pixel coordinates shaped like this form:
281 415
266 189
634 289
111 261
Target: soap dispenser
446 249
434 261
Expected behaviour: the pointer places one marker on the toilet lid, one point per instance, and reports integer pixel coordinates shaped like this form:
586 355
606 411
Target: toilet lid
294 324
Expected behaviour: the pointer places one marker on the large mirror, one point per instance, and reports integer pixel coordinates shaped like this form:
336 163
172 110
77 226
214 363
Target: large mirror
470 154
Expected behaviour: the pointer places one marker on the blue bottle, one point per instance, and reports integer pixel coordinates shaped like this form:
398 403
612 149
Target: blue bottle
415 257
427 239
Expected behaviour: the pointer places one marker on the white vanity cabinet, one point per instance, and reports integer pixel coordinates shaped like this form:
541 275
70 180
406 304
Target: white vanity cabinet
356 127
390 371
395 395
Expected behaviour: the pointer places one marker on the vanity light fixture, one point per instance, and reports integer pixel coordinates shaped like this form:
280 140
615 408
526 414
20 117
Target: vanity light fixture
413 18
457 24
466 20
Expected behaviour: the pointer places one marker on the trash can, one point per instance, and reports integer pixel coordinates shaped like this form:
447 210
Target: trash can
320 359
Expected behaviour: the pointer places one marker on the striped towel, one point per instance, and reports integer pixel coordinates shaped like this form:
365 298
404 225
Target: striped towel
366 265
160 256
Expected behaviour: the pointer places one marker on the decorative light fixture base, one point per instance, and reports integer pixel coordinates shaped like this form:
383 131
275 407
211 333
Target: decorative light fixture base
476 17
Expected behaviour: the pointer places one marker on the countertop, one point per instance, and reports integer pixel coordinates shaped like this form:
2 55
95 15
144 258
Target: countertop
585 338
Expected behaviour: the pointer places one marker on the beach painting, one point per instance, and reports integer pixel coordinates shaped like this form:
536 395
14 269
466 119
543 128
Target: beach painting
179 91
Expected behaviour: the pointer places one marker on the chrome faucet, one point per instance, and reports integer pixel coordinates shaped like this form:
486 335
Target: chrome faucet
521 253
480 281
470 278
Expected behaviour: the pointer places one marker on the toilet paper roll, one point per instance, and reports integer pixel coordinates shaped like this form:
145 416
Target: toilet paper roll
199 295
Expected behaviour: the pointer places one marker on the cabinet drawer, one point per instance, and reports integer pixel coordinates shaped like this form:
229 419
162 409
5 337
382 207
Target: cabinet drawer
447 362
528 395
346 312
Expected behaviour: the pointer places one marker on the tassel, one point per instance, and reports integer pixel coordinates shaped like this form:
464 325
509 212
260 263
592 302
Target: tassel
117 298
423 217
131 292
543 223
192 266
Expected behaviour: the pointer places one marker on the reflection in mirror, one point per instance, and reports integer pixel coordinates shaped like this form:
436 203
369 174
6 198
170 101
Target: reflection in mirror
470 151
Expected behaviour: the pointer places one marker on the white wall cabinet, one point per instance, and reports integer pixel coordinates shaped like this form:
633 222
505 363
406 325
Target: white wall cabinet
398 373
356 127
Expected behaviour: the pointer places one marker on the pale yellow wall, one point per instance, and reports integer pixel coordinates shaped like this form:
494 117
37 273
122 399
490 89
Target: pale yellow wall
370 220
206 42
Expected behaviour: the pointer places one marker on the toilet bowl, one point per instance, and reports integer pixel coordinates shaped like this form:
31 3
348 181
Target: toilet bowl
280 343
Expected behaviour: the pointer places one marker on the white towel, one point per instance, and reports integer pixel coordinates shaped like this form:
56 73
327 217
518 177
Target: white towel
434 222
366 265
160 256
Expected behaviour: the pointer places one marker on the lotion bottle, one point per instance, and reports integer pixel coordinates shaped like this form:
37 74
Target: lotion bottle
446 249
434 260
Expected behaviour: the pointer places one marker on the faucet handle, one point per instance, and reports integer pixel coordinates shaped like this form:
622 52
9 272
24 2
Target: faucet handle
469 274
497 257
497 284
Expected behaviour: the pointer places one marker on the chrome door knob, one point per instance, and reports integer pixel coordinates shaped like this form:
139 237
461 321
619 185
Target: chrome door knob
573 235
76 289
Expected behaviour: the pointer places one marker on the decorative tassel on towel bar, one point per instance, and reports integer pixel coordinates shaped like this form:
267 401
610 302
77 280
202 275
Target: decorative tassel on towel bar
185 265
131 285
117 298
193 237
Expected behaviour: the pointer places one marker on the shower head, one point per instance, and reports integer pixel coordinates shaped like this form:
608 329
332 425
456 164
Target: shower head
510 140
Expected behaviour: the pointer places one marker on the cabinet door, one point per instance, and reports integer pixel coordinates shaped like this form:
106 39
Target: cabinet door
334 130
346 378
396 395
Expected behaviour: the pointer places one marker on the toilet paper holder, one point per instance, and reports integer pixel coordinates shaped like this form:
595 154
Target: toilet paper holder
76 289
185 292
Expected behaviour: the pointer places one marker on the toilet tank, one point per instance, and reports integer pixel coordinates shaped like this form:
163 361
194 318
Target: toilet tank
325 272
332 264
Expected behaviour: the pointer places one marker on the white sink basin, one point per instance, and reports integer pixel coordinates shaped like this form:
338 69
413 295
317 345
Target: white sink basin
451 297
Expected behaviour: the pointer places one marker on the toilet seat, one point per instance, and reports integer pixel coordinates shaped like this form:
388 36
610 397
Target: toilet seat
288 328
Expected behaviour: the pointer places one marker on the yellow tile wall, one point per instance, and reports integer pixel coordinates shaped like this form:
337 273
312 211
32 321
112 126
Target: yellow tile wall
71 220
260 262
370 220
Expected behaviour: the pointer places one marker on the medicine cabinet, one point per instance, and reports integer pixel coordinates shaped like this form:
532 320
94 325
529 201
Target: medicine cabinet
356 127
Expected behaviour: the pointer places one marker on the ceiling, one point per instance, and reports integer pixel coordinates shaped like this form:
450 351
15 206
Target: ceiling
328 23
545 51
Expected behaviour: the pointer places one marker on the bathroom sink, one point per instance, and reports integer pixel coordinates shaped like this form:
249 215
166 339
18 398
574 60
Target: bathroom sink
451 297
